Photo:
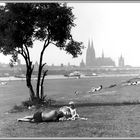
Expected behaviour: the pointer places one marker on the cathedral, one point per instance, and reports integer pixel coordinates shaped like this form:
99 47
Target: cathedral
121 61
93 61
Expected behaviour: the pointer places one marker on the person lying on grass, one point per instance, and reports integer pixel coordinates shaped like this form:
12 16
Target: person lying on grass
70 112
64 113
93 89
43 116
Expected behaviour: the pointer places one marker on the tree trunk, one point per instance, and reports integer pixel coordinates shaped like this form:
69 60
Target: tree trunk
29 85
29 69
42 83
38 80
40 69
42 92
39 75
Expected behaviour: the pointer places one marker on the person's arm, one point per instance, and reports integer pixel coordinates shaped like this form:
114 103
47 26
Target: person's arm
62 119
74 114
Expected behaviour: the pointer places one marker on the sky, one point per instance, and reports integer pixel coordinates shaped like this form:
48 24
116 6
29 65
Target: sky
113 27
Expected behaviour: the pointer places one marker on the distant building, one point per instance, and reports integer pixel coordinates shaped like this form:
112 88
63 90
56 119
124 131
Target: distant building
92 60
62 65
36 66
121 61
82 64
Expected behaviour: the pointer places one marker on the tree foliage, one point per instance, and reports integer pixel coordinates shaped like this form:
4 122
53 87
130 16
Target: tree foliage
23 23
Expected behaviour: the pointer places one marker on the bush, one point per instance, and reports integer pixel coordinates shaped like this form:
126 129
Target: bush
38 102
35 104
17 108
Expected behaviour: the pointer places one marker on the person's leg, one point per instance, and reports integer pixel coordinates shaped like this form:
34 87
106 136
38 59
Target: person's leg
23 120
26 119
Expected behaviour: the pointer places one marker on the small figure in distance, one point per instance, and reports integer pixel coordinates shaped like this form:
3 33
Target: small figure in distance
3 83
93 89
76 92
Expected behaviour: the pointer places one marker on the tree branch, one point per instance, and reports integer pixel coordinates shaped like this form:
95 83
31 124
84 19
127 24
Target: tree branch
43 65
46 43
23 53
44 74
53 43
42 82
25 57
28 55
32 68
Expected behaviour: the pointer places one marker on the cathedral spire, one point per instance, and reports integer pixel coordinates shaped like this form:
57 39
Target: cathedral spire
92 50
92 44
102 53
88 54
92 60
88 43
121 61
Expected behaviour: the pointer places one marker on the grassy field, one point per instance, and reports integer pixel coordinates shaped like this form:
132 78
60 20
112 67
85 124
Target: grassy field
111 112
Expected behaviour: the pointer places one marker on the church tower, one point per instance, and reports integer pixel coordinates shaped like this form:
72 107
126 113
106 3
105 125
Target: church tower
92 50
93 61
82 64
121 61
102 54
90 55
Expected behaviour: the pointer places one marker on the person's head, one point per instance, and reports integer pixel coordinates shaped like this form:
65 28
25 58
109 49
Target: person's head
72 104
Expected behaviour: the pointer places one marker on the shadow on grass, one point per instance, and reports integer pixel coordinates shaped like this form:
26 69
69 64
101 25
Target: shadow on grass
97 104
58 104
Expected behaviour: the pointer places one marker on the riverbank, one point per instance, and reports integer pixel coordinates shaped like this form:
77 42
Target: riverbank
12 78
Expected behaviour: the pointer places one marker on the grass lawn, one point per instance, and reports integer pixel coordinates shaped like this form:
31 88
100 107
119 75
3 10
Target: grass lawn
106 113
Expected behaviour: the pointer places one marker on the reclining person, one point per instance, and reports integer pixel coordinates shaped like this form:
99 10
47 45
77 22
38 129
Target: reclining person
64 113
93 89
43 116
70 112
73 110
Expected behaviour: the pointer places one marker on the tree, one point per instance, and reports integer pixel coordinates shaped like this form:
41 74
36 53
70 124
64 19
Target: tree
23 23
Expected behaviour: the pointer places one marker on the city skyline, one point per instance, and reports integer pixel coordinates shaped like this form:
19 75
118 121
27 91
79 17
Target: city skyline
93 61
113 27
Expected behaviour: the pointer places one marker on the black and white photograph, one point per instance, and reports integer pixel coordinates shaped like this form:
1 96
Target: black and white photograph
70 69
